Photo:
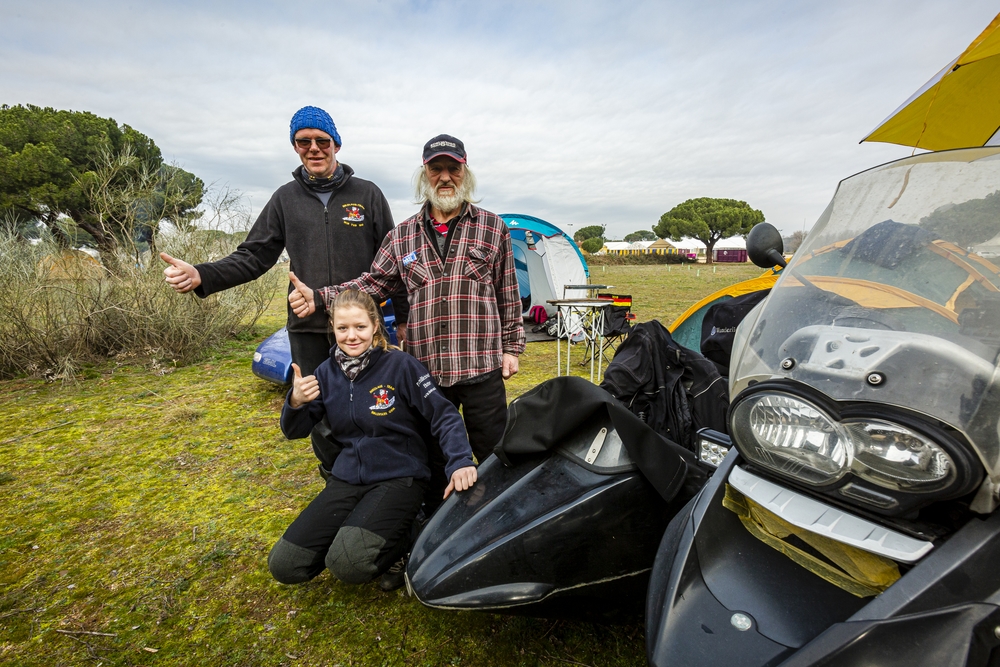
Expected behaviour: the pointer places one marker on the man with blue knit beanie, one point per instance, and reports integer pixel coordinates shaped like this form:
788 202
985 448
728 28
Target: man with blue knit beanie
313 117
330 222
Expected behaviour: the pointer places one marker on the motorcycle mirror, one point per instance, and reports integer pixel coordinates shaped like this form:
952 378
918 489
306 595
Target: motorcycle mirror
764 246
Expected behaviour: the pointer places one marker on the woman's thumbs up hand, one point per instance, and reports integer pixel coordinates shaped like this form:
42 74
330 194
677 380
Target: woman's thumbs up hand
304 389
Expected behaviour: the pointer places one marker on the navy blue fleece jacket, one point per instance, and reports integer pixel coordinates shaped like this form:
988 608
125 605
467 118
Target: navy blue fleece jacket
381 419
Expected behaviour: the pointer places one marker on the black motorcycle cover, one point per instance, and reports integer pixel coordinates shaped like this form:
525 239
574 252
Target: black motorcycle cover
673 389
543 417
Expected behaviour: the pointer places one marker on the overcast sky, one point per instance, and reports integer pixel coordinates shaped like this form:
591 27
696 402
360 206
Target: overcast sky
579 112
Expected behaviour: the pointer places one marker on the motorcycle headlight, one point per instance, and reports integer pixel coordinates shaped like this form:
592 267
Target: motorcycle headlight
896 457
793 437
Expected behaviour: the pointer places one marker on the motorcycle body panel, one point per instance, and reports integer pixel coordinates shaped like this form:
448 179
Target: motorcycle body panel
549 535
945 606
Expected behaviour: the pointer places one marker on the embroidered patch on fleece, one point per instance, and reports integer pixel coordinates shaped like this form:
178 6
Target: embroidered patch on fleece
384 400
354 214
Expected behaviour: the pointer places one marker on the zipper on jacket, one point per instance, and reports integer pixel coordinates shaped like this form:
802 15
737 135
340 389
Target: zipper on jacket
329 252
357 452
350 401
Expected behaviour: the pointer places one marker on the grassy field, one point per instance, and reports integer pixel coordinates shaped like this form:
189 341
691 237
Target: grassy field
139 504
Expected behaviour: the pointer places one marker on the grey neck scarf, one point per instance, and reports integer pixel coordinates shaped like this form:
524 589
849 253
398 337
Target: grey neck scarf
352 365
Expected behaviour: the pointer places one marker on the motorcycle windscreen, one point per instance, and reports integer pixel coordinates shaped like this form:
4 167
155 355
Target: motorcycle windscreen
900 277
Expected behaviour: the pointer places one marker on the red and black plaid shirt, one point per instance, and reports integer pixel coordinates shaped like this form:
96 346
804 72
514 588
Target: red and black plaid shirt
465 310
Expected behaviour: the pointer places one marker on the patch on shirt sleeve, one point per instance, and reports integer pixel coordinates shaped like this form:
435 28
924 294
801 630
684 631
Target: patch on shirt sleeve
426 385
410 259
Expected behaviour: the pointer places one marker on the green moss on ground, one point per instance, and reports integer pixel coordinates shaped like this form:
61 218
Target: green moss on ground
138 507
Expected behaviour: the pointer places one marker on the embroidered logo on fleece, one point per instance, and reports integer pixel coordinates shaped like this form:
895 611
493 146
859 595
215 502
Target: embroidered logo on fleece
354 214
410 259
384 400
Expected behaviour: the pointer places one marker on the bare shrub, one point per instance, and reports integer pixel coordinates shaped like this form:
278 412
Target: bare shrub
60 309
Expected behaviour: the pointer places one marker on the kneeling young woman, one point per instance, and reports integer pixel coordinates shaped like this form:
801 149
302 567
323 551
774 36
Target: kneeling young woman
379 402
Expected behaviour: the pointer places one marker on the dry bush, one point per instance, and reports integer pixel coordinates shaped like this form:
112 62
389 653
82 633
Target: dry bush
60 309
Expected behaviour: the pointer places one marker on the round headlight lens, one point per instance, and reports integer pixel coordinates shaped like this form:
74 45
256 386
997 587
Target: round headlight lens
895 457
791 436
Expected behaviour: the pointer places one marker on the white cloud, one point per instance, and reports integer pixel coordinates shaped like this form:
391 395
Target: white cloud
576 112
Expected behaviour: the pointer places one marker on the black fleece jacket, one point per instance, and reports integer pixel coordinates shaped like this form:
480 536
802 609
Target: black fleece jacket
327 245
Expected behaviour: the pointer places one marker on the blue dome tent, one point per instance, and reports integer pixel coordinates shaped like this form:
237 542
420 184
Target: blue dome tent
546 259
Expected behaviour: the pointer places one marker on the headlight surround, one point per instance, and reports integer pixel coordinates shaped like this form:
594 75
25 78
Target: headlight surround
799 439
791 436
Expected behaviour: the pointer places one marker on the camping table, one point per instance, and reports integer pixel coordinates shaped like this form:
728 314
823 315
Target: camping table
589 288
590 314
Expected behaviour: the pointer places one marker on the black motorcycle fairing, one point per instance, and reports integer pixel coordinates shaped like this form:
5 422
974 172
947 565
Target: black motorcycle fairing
699 625
943 611
962 636
719 569
684 621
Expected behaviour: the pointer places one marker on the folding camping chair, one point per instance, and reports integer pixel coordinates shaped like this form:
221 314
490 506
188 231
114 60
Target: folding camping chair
618 319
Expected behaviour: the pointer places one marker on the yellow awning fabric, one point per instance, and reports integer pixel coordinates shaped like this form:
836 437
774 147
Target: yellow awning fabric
958 108
856 571
984 46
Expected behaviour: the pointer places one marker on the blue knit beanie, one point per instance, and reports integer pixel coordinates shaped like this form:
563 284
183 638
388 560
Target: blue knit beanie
316 118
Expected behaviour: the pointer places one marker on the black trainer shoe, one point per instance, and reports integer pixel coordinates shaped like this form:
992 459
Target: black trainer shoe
394 577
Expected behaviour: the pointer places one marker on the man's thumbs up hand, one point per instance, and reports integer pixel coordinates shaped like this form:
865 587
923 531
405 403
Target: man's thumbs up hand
301 297
304 389
180 275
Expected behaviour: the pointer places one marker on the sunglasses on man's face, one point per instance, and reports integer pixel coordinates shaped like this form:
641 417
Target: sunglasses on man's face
322 144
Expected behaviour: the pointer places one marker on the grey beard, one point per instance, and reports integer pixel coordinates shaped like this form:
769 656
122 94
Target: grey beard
446 204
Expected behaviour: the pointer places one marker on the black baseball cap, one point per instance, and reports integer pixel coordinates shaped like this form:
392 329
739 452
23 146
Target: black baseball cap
444 144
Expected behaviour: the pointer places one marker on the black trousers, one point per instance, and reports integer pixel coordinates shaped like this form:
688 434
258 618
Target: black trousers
357 531
309 350
484 408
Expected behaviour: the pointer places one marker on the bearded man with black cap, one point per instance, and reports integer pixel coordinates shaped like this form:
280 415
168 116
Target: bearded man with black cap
330 221
457 265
